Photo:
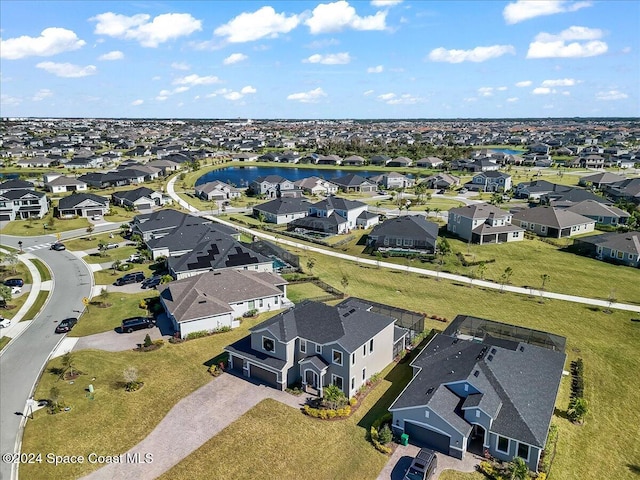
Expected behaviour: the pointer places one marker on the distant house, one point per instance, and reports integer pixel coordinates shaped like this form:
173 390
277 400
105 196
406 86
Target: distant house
217 191
535 189
490 181
539 148
15 184
57 183
564 196
601 179
393 180
82 205
162 222
274 186
282 210
592 161
354 183
442 180
620 248
216 300
477 391
318 345
627 190
220 253
245 157
483 223
379 160
141 198
328 160
601 213
316 186
411 232
165 166
332 215
429 162
554 222
400 162
38 162
20 204
353 161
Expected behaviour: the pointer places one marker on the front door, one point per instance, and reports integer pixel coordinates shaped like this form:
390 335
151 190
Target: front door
311 378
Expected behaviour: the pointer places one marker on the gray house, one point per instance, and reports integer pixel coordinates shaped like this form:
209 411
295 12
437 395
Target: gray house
273 186
483 223
217 190
554 222
490 181
411 233
318 345
22 204
162 222
475 391
183 239
82 205
601 213
141 198
620 248
215 300
282 210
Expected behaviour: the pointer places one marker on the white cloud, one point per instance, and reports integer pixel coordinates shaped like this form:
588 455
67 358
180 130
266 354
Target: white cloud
67 70
385 3
386 96
137 102
611 95
329 59
404 99
180 66
542 91
485 91
376 69
193 80
114 55
367 93
50 42
478 54
263 23
9 101
180 90
337 16
162 28
512 99
42 94
161 98
248 89
317 44
234 58
526 9
233 96
584 43
501 89
524 83
561 82
312 96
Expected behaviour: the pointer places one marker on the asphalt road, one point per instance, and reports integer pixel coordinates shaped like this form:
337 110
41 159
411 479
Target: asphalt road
22 361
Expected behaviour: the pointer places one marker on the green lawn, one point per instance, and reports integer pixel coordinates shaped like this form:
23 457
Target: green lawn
109 256
4 341
42 269
27 228
92 241
97 319
108 276
300 291
37 305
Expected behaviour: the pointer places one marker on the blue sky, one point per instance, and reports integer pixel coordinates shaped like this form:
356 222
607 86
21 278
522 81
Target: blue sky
356 59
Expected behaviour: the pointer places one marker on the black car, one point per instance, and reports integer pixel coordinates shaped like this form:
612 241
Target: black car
151 282
134 277
66 325
442 191
58 246
423 466
137 323
14 282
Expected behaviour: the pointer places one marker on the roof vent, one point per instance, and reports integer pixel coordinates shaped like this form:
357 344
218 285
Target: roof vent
456 340
430 391
452 371
476 373
202 301
490 357
493 350
521 348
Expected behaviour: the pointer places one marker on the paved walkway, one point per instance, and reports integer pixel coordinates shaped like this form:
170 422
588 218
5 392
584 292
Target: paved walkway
190 423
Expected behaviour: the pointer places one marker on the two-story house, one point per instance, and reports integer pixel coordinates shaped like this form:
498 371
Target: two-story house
317 345
393 180
273 186
490 181
217 191
483 223
20 204
336 215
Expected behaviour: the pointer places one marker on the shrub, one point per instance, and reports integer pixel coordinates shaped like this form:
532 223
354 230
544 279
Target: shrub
147 341
158 342
325 414
353 401
143 304
251 313
198 334
385 435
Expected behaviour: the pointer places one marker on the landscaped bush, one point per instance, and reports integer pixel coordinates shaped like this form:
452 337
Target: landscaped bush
326 413
377 437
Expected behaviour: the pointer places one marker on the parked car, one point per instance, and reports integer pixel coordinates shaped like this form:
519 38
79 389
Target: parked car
133 277
5 322
66 325
96 217
442 191
58 246
109 246
463 190
422 466
151 282
137 323
135 258
16 290
14 282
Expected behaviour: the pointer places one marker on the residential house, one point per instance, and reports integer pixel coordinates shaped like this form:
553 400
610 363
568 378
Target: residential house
483 223
627 190
379 160
592 161
393 180
220 253
58 183
274 186
539 148
482 392
564 196
217 191
400 162
317 345
182 239
15 184
601 213
409 233
601 179
82 205
38 162
430 162
20 204
316 186
354 183
328 160
535 189
620 248
442 180
165 166
353 161
141 198
333 215
547 221
245 157
490 181
282 210
216 300
162 222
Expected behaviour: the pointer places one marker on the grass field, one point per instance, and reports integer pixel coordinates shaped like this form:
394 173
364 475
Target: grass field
37 305
42 269
109 256
108 276
301 291
4 341
28 228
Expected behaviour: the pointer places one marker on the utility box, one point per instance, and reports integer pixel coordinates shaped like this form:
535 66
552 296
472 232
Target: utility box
404 439
90 388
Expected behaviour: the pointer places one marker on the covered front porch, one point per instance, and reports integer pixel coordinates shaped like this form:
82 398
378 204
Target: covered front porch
312 371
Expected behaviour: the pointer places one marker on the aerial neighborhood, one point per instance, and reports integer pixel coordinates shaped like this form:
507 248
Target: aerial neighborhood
458 286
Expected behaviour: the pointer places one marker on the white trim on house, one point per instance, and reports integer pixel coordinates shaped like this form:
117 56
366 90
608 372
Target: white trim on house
333 357
498 437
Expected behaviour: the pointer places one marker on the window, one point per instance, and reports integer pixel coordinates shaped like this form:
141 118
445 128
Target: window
620 254
303 346
337 357
543 228
353 358
477 413
503 444
523 451
353 383
364 350
426 414
318 348
364 374
371 346
268 345
337 381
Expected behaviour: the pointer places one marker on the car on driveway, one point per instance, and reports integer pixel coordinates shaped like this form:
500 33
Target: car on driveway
110 246
58 247
442 191
422 466
16 290
134 277
137 323
151 282
5 322
66 325
14 282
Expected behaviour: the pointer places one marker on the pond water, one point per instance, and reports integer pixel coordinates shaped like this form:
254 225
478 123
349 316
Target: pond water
507 151
242 176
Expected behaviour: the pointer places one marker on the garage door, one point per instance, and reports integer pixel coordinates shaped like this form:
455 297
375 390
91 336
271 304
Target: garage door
424 437
5 218
264 376
93 212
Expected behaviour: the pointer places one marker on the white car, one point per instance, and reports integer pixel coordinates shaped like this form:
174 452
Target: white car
5 322
96 217
16 290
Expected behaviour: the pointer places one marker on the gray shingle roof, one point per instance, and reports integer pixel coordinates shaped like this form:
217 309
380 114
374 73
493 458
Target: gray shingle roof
283 206
76 198
189 236
551 216
409 226
478 211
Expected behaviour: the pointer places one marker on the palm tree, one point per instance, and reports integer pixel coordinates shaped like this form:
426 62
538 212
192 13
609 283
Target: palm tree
577 410
519 469
428 210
